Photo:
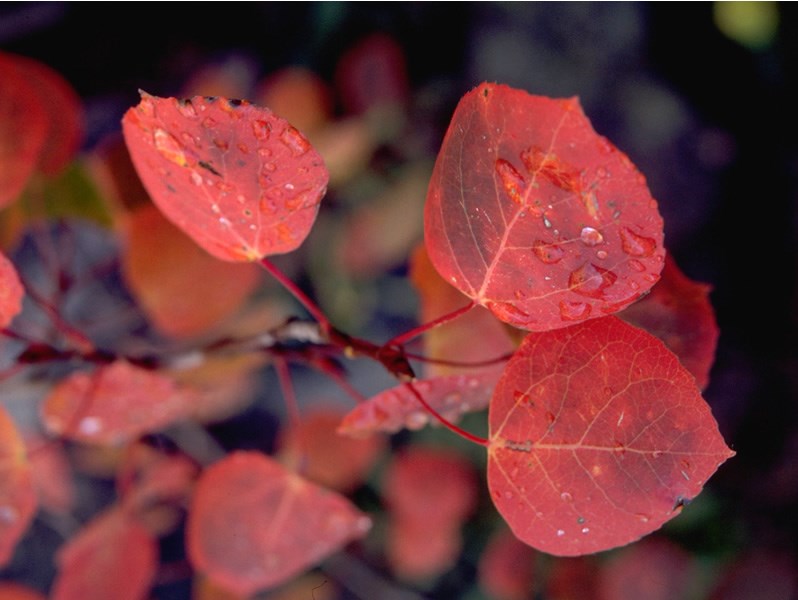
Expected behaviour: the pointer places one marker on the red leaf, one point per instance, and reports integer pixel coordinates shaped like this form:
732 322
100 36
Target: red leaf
535 216
11 292
162 267
328 458
397 407
253 525
653 569
52 475
112 557
507 568
598 436
417 551
63 114
13 591
113 404
23 129
679 313
17 494
238 179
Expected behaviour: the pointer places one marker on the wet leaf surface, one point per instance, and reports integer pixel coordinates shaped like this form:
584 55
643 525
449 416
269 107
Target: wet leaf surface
598 436
239 180
535 216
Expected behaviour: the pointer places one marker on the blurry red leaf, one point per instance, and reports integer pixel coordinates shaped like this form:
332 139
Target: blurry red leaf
17 494
253 525
679 313
298 95
535 216
52 475
654 569
455 340
111 557
507 568
372 74
417 551
598 436
14 591
113 404
23 128
572 579
11 292
327 457
431 486
162 267
397 407
63 114
239 180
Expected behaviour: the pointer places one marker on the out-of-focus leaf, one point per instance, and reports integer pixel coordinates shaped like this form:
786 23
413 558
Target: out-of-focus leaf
11 292
253 525
14 591
52 475
17 494
113 404
507 568
299 96
162 267
111 557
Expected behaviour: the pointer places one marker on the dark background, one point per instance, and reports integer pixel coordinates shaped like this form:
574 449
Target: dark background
709 121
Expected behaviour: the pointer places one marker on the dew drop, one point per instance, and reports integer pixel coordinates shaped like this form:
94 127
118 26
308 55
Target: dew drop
189 139
591 281
602 173
221 144
512 181
656 454
547 253
265 152
601 254
196 178
636 245
261 129
547 223
566 497
643 518
215 208
90 425
637 265
289 187
243 148
574 311
269 166
591 236
225 222
560 533
209 122
585 529
169 147
507 312
651 277
294 141
508 495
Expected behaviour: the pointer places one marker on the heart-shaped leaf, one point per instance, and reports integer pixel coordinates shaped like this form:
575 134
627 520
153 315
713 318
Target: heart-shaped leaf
239 180
253 524
598 436
535 216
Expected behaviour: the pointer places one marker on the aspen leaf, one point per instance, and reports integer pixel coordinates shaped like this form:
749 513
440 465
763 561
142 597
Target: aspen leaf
17 493
11 292
398 407
111 557
239 180
679 313
535 216
113 404
253 524
598 436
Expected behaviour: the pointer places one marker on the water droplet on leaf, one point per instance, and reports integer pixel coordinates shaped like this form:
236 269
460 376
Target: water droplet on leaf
566 497
574 311
591 280
546 252
261 129
169 147
512 181
591 236
636 245
295 141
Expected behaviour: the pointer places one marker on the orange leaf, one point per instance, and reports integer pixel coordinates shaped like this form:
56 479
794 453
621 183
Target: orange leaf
162 267
239 180
17 494
111 557
115 403
252 524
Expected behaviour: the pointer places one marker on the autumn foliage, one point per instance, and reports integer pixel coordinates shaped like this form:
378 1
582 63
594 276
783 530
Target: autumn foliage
550 313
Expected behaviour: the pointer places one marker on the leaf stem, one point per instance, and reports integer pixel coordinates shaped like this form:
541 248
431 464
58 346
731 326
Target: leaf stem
405 337
297 293
445 422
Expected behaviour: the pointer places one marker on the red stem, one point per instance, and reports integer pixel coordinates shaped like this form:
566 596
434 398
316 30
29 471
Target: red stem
446 423
405 337
297 293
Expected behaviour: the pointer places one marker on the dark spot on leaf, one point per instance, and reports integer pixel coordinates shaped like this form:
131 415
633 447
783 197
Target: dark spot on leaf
208 167
236 102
